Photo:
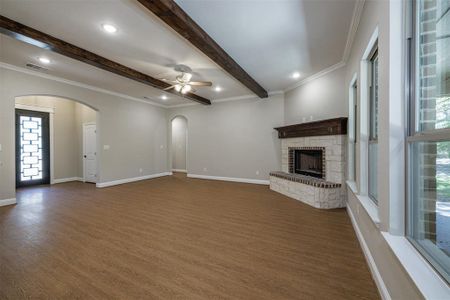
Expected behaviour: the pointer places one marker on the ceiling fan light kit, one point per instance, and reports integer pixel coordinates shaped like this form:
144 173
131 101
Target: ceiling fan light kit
185 89
182 83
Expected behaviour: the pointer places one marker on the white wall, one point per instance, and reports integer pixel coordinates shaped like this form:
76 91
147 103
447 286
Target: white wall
179 139
136 132
319 99
234 138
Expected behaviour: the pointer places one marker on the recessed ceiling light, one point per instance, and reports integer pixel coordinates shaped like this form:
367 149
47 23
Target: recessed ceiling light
296 75
109 28
164 97
44 60
218 89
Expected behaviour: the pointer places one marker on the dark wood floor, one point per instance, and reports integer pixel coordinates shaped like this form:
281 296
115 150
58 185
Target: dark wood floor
174 237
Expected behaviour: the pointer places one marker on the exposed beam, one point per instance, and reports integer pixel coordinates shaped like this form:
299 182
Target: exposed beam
42 40
171 14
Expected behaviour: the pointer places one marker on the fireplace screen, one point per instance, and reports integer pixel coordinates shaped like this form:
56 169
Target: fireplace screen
308 162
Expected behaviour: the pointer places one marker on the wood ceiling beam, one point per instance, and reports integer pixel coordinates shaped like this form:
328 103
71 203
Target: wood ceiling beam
174 16
42 40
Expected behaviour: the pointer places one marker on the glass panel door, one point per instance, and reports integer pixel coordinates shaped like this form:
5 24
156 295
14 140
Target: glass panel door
32 148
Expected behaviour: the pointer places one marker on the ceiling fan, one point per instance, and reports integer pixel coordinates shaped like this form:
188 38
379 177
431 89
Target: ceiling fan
183 83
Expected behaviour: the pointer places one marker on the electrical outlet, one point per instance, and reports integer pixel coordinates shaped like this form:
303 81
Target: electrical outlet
140 170
257 172
205 169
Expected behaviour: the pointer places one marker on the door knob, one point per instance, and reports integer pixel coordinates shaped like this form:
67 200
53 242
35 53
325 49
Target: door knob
85 156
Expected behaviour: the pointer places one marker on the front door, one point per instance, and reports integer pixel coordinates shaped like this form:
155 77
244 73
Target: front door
32 148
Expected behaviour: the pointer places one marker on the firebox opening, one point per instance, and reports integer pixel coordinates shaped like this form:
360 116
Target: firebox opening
308 162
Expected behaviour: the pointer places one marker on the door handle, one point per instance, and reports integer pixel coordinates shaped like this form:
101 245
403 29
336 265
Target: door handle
85 156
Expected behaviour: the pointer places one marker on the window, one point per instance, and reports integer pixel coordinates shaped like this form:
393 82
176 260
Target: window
428 225
373 126
352 128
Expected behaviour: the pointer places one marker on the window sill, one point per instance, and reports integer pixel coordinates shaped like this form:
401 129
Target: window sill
427 280
352 185
367 203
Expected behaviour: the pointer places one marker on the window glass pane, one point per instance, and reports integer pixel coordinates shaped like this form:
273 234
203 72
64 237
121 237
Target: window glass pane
429 223
433 59
30 148
373 129
355 127
373 170
374 98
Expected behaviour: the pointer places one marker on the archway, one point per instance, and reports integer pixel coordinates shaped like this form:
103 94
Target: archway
69 154
179 144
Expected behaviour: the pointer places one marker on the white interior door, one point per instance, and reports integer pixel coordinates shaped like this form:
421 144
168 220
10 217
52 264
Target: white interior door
90 152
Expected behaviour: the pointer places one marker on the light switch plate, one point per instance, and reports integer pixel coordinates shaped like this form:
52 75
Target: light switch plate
106 147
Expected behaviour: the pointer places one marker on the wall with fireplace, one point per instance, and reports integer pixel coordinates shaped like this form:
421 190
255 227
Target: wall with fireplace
333 149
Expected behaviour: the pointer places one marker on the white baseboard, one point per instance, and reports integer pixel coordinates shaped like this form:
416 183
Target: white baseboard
179 170
62 180
243 180
128 180
5 202
382 289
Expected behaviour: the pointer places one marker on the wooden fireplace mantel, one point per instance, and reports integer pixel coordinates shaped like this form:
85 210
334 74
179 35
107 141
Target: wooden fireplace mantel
335 126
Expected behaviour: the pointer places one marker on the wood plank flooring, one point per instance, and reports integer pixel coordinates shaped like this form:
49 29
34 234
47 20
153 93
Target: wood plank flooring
174 237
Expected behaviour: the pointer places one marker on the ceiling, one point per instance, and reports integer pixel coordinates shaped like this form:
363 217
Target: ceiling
269 39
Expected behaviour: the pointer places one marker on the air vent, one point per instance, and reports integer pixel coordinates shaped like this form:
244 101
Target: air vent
36 67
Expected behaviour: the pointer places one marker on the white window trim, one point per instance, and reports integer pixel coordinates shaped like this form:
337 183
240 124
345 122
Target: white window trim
367 203
371 208
427 280
352 100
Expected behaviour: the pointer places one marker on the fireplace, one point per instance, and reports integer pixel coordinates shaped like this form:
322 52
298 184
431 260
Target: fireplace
307 161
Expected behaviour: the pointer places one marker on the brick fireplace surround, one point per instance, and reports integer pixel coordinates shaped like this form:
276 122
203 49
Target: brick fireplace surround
328 135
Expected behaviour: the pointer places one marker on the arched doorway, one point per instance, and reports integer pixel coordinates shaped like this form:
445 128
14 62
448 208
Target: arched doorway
179 126
51 142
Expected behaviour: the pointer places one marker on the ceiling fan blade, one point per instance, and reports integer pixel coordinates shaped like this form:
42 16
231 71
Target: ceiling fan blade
168 88
169 80
201 83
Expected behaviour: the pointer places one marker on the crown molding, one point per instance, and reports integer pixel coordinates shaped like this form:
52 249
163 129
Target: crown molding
357 12
77 84
315 76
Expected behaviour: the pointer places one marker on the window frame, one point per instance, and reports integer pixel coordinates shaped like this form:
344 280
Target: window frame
372 110
353 129
414 134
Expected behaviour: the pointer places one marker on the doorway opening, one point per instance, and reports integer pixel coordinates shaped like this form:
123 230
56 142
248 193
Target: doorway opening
179 144
56 141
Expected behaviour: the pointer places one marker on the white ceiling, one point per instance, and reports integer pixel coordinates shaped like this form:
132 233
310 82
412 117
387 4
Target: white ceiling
269 39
